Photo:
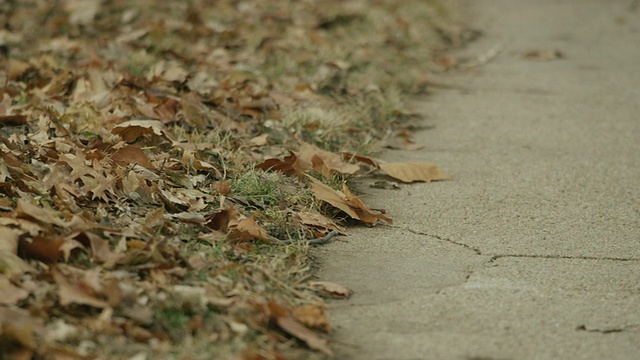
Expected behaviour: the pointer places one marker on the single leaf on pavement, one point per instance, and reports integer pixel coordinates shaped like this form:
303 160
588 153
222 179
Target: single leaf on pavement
346 202
412 172
335 290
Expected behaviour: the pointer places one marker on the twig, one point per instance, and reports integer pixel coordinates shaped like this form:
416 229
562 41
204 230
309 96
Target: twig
483 58
319 241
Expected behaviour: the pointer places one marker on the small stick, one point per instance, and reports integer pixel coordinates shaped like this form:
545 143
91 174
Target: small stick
319 241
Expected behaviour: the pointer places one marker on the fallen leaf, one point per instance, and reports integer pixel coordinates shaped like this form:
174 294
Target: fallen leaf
312 316
363 159
17 326
43 248
319 221
346 201
403 141
291 165
75 294
287 322
335 290
246 230
543 55
132 130
13 120
325 162
26 210
411 172
132 155
9 293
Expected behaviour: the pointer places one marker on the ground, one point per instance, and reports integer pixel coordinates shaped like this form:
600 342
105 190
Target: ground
166 166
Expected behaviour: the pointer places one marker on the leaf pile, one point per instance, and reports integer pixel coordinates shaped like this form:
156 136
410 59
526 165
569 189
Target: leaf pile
155 157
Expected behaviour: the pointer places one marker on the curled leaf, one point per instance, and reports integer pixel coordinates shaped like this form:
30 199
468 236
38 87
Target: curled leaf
412 172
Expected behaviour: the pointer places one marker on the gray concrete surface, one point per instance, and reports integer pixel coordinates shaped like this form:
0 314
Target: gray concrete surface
533 250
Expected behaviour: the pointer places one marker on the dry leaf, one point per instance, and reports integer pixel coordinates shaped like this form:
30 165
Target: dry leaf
132 155
325 162
75 294
291 165
312 316
132 130
543 55
346 202
9 293
319 221
246 230
335 290
403 141
411 172
13 120
17 326
285 320
44 248
363 159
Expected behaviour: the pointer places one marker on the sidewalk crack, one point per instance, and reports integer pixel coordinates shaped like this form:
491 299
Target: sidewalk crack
444 239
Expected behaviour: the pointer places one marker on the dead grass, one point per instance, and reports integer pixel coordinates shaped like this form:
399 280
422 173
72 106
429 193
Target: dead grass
134 219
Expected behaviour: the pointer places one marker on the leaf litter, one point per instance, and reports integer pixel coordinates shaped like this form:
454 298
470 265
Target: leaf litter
156 157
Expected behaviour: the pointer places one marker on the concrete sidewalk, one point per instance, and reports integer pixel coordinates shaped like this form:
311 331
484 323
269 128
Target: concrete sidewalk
533 250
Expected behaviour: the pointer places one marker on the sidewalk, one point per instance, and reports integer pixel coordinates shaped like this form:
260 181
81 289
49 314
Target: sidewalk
533 250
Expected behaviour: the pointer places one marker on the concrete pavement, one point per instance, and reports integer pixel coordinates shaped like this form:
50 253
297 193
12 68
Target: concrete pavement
533 250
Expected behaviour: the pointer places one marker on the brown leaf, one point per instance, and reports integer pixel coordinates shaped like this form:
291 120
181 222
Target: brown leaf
346 202
291 165
132 130
403 141
543 55
78 293
325 162
13 120
411 172
285 320
364 212
43 248
220 221
17 326
9 293
26 210
360 158
246 230
132 155
319 221
336 290
312 316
